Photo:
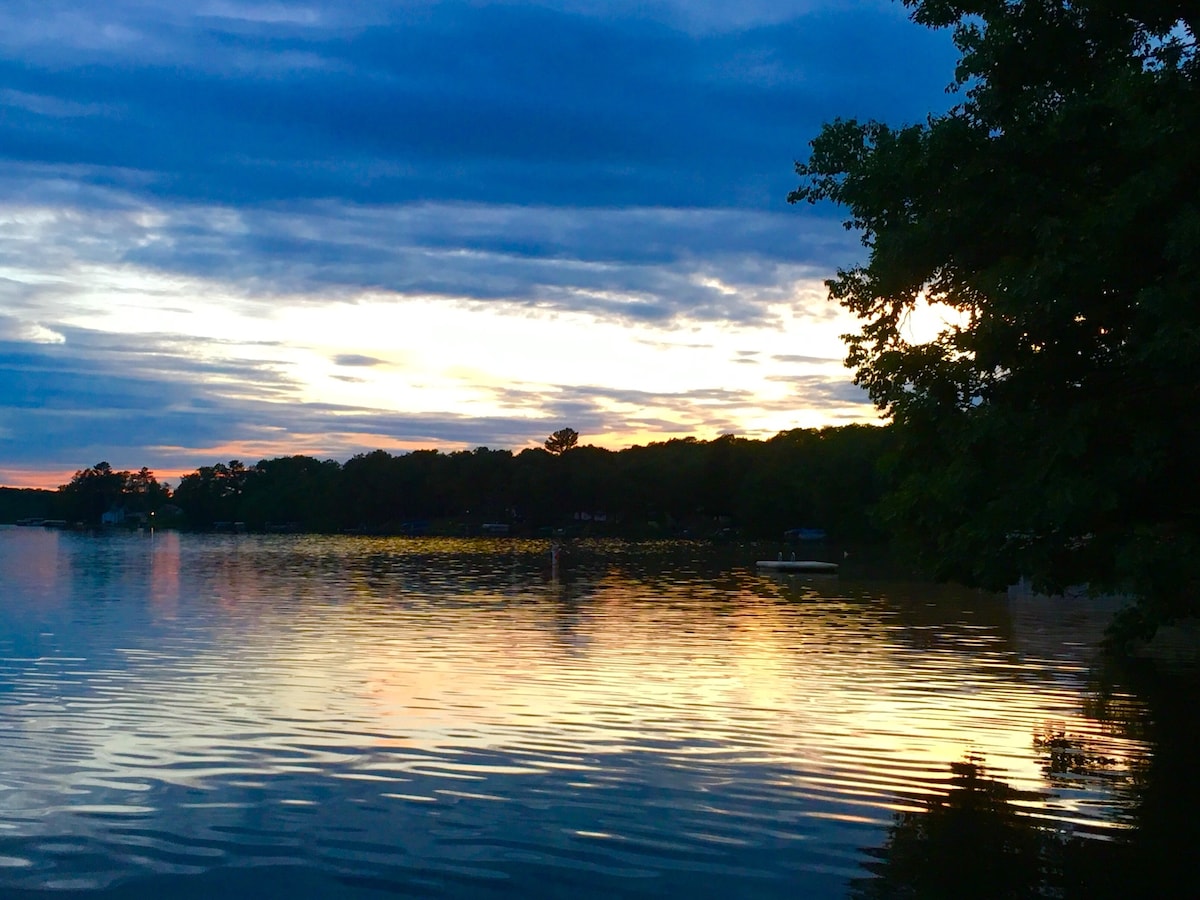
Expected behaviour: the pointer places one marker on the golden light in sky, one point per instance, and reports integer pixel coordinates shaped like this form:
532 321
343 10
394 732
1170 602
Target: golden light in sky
223 232
382 353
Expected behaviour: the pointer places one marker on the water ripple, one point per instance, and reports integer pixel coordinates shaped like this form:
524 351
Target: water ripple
450 717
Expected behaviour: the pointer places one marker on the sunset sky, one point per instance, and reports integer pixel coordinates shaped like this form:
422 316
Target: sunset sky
242 229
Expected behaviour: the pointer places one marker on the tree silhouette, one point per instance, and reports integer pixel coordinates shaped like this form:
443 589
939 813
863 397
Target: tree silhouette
825 477
94 491
1051 214
562 440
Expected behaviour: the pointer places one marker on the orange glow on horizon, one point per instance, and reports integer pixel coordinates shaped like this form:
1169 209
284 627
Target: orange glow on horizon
39 479
53 479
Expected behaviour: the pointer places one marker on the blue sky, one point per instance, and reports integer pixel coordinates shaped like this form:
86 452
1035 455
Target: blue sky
242 229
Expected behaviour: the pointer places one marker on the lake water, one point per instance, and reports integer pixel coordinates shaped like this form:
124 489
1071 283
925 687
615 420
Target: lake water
365 718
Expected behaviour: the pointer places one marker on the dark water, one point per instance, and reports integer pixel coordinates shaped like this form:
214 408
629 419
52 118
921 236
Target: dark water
186 716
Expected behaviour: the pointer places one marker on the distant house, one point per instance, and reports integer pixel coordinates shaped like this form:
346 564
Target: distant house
495 528
118 515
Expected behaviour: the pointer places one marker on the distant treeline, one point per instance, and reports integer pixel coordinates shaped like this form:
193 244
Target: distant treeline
827 478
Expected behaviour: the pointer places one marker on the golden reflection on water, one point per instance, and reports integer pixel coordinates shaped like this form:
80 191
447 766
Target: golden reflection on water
795 674
235 660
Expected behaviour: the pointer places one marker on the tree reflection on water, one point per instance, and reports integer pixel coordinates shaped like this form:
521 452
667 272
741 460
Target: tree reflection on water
970 842
981 839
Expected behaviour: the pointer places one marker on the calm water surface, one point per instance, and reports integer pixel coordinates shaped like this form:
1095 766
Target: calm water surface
353 717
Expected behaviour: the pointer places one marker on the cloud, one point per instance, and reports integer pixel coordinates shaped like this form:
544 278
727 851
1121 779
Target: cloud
151 401
223 163
173 402
638 264
800 359
504 103
356 359
823 390
101 395
618 159
14 329
597 409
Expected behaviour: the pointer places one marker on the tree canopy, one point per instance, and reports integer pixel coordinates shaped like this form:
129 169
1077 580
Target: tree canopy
827 478
100 489
1053 215
562 440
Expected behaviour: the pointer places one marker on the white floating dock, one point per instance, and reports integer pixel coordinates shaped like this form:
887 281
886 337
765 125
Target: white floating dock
797 565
